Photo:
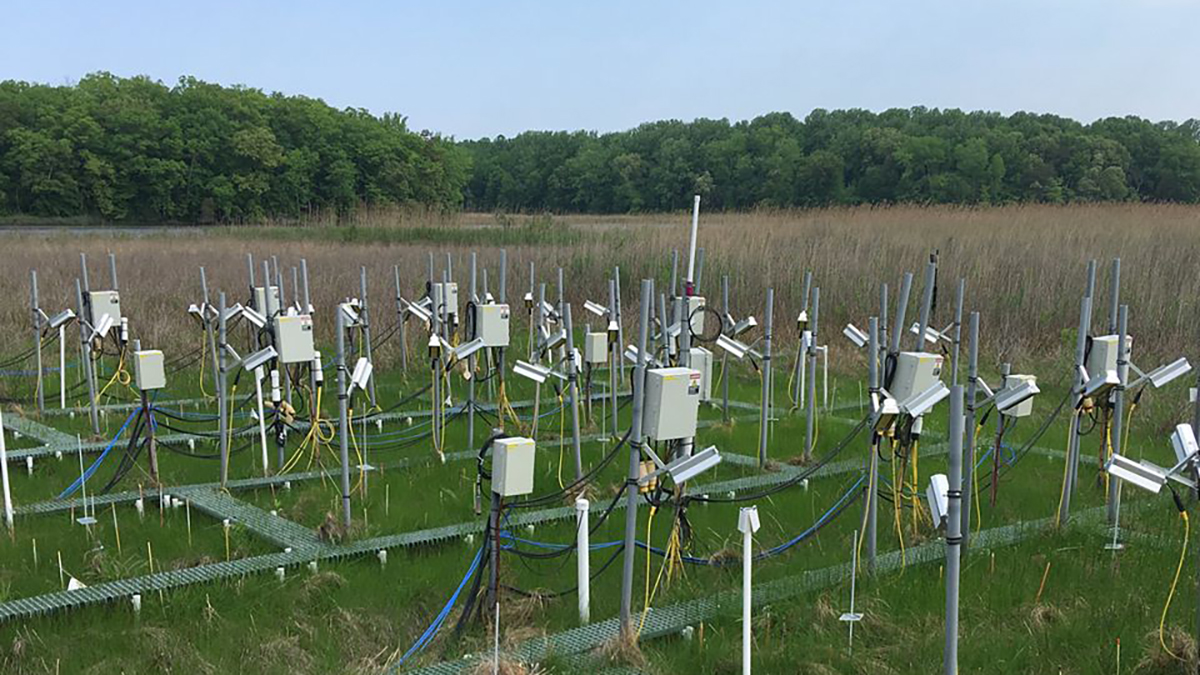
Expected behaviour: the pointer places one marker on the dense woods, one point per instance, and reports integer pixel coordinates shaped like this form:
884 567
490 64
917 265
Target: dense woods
840 157
133 149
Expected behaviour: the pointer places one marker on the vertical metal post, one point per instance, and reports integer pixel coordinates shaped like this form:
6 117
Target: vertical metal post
873 475
1005 371
401 320
474 296
271 306
620 327
883 322
148 415
799 371
1114 297
901 310
573 390
343 421
926 304
689 283
953 534
811 416
1085 321
7 490
725 354
112 271
1118 422
764 413
37 339
686 445
503 298
614 357
209 335
635 456
699 270
958 310
675 273
365 317
969 445
222 403
86 352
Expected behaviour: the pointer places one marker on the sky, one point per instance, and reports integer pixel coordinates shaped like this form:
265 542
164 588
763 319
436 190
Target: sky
474 69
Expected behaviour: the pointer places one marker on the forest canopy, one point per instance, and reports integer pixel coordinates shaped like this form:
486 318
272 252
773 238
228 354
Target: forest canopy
917 155
135 149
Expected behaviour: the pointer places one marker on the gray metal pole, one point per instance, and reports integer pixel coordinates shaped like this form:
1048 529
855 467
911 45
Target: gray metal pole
765 412
250 270
901 310
83 268
614 358
402 322
112 271
1118 421
883 320
686 445
471 360
958 311
724 354
664 339
1114 297
222 403
1196 475
573 390
88 363
37 339
811 413
620 326
635 457
284 372
1085 320
365 317
271 307
873 475
699 270
953 535
926 304
969 445
799 365
675 273
209 334
343 422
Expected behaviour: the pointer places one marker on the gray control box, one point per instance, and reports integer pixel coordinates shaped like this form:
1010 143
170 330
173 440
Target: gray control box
513 466
294 338
672 403
149 370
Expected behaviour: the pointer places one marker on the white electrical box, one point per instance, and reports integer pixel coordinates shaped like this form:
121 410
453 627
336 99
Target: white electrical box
695 310
512 466
149 370
1102 355
446 294
492 324
595 348
104 302
702 360
1024 408
915 372
672 403
294 339
260 299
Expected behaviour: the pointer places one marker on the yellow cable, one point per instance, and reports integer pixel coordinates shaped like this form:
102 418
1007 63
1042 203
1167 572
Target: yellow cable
646 610
562 422
1062 494
1174 582
203 358
896 508
1128 426
916 502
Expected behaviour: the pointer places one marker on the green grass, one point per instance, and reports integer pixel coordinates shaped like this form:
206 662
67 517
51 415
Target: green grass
354 615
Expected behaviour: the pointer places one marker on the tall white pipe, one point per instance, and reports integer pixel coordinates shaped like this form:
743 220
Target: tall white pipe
747 523
8 508
691 275
262 425
584 552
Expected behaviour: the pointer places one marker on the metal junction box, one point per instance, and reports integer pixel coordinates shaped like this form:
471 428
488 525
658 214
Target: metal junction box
702 360
915 372
672 403
1102 354
512 466
595 348
149 370
260 299
493 324
294 339
1024 408
445 294
104 302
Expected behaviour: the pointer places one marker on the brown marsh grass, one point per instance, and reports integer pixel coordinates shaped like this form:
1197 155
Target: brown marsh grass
1024 265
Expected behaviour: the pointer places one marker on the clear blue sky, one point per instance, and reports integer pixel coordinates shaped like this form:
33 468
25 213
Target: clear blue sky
474 69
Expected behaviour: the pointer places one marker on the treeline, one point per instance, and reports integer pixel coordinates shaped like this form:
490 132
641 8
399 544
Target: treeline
134 149
839 157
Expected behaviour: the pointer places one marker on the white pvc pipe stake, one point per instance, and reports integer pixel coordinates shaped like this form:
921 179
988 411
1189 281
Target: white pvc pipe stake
584 553
136 601
29 465
262 426
62 368
382 555
8 506
691 272
280 574
851 617
748 525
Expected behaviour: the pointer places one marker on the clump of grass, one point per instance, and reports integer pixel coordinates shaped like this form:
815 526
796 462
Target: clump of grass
1182 659
622 650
